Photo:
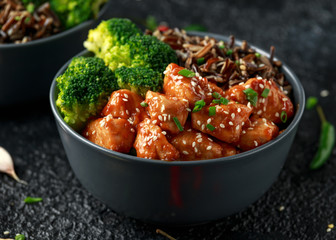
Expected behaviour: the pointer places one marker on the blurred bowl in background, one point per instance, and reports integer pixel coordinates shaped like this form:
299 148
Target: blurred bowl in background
27 69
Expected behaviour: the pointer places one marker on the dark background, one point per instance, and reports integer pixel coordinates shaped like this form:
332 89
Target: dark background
304 34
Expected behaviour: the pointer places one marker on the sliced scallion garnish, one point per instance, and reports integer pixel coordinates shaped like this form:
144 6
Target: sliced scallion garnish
186 73
212 111
251 96
199 105
210 127
178 124
264 94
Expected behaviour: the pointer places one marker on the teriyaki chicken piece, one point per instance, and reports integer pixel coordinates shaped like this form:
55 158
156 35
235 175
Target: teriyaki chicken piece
271 103
163 109
114 134
151 142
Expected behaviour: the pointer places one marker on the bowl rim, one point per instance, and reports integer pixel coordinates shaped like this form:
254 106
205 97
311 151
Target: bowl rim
59 35
298 91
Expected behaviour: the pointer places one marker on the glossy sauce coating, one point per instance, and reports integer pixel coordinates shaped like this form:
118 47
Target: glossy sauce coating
162 110
115 134
152 143
269 107
125 104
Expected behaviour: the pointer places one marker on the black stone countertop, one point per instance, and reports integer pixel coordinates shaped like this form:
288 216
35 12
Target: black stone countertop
304 34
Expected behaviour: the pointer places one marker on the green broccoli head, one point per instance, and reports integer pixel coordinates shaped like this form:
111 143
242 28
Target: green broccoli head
148 51
74 12
114 32
139 79
84 89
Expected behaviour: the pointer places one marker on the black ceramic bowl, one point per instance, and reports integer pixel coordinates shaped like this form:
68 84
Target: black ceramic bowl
26 69
178 192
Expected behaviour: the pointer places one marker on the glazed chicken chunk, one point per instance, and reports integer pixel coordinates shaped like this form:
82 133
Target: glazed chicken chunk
194 145
259 132
151 142
191 89
270 106
163 109
226 123
115 134
125 104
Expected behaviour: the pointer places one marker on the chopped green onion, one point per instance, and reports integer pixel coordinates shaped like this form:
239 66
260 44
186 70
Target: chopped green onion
199 105
27 20
200 61
216 95
237 62
283 116
311 102
32 200
20 237
212 111
30 7
195 27
210 127
265 92
178 124
151 23
221 46
186 73
17 18
144 104
258 55
222 100
229 52
251 95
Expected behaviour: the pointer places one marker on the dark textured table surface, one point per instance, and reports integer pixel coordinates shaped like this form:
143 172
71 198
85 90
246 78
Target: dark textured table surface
299 205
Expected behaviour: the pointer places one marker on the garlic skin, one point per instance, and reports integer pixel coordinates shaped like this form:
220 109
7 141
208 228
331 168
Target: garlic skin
7 166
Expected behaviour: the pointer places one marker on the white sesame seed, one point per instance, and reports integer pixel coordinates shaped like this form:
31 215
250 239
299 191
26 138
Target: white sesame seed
198 122
193 83
188 109
137 109
259 112
154 121
185 100
284 99
127 112
189 130
210 139
199 140
226 112
193 144
239 110
255 143
185 152
196 150
249 105
154 98
209 120
6 232
169 117
93 132
125 99
324 93
164 132
243 123
160 117
117 94
247 86
328 229
277 114
237 128
203 126
132 130
222 125
281 208
261 86
184 142
241 83
208 148
264 108
126 95
264 120
199 136
250 128
165 71
233 115
243 132
231 123
154 138
164 118
87 133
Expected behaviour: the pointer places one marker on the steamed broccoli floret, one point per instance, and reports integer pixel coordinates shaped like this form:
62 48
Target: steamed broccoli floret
74 12
148 51
139 79
111 33
84 89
